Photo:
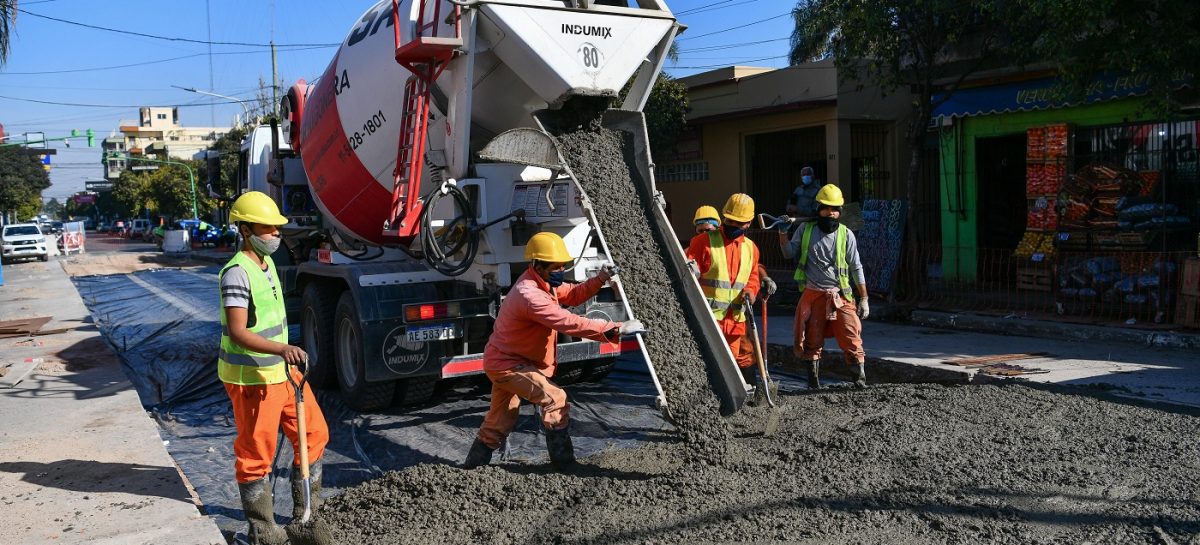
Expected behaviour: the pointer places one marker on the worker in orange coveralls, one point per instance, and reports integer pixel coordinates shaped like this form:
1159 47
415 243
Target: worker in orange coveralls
727 262
520 355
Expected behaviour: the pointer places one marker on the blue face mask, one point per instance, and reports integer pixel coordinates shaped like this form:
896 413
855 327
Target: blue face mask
733 232
806 179
556 278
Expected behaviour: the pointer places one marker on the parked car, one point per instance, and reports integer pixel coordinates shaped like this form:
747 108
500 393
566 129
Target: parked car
138 228
23 240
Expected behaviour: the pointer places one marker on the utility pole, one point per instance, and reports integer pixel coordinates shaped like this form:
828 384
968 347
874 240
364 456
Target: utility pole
212 108
274 83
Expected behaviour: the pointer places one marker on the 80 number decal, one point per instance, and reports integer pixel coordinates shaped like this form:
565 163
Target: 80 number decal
591 57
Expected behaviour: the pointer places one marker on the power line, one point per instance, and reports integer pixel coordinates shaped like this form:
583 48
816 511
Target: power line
101 68
168 38
109 105
729 46
784 14
701 8
723 65
715 6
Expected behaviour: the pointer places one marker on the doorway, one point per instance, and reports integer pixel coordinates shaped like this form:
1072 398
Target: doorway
1000 177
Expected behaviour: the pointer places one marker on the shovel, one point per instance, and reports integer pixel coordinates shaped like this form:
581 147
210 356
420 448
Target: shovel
764 378
305 531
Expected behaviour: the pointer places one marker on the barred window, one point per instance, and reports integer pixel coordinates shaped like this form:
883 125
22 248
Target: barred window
682 172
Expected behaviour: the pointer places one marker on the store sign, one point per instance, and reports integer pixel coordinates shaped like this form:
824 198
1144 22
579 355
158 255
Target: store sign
1038 95
98 186
84 199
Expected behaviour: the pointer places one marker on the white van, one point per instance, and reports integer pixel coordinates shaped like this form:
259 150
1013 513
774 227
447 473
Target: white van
138 228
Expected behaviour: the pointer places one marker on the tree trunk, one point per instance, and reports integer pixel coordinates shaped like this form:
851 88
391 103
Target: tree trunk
915 233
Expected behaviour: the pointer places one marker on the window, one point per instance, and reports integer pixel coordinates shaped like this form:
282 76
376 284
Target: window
162 116
682 172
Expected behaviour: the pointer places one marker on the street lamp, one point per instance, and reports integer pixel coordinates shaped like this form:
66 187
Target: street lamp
191 176
245 107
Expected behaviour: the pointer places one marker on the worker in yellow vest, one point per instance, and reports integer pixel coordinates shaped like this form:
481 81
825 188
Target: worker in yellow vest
728 265
254 364
708 219
828 269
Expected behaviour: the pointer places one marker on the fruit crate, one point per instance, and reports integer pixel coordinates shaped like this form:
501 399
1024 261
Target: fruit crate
1033 279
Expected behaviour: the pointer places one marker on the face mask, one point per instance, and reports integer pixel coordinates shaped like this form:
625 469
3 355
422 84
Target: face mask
733 232
827 224
806 179
264 246
556 278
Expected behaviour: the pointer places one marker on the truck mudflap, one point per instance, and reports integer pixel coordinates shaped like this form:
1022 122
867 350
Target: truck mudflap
472 364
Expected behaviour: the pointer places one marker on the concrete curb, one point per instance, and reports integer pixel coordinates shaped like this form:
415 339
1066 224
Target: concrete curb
1054 330
878 369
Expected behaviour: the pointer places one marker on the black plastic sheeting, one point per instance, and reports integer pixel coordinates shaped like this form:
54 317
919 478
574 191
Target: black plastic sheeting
164 326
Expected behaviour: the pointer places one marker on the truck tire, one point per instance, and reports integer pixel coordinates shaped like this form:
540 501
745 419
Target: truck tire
44 257
411 391
316 326
568 373
596 371
357 392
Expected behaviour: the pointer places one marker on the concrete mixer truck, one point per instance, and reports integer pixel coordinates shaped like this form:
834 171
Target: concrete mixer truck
429 168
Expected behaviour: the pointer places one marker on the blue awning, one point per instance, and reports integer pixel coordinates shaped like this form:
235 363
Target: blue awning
1039 94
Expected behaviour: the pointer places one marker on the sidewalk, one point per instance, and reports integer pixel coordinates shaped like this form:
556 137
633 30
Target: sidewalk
80 462
909 353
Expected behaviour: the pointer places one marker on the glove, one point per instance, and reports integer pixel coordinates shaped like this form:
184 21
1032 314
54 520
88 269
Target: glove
692 266
611 270
632 327
748 297
864 308
784 223
769 286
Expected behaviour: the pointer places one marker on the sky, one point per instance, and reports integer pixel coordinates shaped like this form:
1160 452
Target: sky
100 77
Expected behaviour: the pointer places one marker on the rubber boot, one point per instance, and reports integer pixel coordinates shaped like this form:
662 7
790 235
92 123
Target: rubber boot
860 379
814 374
479 455
259 508
562 452
315 473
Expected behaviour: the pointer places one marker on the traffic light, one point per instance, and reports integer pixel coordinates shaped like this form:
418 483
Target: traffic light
91 137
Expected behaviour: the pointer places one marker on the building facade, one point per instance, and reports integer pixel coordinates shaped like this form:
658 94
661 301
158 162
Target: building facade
157 134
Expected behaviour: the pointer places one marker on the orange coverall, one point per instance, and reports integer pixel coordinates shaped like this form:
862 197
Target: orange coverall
520 354
733 330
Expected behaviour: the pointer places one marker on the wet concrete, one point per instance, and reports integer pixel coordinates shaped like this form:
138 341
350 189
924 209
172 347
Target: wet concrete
891 464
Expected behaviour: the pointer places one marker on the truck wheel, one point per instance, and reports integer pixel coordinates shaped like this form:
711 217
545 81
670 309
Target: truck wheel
568 373
316 325
412 391
357 392
597 371
44 257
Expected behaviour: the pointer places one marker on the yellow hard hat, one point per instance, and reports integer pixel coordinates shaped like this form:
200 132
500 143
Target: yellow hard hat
547 246
256 207
830 195
739 208
706 212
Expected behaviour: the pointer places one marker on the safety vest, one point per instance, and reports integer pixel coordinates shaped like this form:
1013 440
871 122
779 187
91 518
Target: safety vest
840 248
724 294
238 365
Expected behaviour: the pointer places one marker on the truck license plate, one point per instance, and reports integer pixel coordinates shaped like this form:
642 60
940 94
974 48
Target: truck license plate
424 334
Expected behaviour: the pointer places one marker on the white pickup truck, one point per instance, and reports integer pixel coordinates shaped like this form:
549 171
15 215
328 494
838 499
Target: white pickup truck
21 240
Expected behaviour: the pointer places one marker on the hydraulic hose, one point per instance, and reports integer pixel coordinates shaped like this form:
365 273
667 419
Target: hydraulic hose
461 232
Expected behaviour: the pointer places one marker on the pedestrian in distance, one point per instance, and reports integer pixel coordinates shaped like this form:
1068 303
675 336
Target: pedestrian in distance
828 268
727 263
803 204
519 358
254 362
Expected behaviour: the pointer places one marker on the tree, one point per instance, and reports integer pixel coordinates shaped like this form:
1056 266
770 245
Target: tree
53 209
927 46
8 19
22 180
224 183
666 110
1154 41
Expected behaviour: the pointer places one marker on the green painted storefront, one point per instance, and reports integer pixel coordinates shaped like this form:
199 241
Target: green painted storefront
959 189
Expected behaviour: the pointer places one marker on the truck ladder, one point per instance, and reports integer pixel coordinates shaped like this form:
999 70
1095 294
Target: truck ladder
426 55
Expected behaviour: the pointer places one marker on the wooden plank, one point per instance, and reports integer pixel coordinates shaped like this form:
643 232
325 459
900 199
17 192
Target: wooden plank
988 360
17 372
23 326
